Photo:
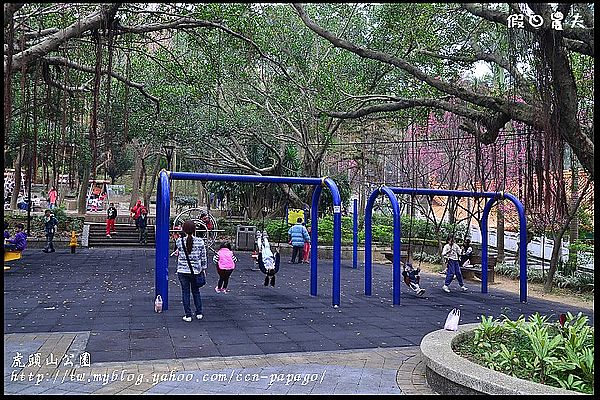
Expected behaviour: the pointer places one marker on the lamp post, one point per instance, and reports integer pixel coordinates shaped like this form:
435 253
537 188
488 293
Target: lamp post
169 154
169 147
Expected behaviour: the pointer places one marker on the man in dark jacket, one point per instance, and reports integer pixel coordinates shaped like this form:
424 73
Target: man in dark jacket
50 223
143 224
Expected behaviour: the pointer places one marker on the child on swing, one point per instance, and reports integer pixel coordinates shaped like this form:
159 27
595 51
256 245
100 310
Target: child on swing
267 262
412 278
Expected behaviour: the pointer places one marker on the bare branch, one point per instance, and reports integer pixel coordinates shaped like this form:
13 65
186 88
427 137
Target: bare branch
584 35
489 57
189 23
513 109
52 42
9 10
84 68
69 89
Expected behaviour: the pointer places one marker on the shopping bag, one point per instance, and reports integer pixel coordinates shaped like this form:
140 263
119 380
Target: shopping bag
452 320
158 303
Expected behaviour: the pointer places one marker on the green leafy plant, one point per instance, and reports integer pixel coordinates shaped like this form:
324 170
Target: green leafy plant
487 332
555 354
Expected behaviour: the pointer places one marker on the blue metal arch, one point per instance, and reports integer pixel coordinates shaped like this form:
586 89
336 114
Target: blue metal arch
163 212
493 197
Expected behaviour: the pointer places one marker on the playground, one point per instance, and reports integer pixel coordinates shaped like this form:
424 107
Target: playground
106 292
364 138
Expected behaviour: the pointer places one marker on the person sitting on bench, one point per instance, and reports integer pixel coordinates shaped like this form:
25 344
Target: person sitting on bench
412 278
19 243
466 253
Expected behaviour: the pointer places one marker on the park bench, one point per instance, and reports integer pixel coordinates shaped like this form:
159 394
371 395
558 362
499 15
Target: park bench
473 270
470 272
403 255
390 256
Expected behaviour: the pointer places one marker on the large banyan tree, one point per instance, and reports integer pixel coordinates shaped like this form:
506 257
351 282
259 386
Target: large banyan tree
288 75
550 70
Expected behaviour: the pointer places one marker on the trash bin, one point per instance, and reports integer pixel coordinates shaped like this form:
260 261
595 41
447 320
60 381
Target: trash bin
245 237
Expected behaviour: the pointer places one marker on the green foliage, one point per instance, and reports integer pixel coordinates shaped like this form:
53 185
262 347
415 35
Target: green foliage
426 257
66 223
536 350
419 228
326 200
579 280
586 221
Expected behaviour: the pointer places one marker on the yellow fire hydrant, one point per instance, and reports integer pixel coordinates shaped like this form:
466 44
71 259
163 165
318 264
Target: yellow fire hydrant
73 242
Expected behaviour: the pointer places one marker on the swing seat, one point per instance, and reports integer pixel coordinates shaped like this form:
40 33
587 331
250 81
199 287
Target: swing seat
11 255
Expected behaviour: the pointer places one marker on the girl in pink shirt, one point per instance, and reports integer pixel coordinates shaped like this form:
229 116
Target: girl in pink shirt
52 196
225 260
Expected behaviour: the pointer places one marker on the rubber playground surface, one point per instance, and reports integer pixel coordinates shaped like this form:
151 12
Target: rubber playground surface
109 292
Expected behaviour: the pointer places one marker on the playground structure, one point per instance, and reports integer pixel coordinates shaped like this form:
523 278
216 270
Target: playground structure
98 191
206 224
390 192
163 212
11 255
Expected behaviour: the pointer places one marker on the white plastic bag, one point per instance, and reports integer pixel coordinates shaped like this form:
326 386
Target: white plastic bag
158 303
452 320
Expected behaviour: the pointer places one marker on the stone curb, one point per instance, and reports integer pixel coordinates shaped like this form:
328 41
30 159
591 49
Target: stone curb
457 374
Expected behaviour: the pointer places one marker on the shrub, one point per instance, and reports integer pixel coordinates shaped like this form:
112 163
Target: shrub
581 281
556 354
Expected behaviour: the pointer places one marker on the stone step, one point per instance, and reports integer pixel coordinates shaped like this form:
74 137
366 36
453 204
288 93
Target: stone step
116 241
118 244
120 235
126 235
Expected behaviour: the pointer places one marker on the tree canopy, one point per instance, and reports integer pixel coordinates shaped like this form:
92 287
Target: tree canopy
240 86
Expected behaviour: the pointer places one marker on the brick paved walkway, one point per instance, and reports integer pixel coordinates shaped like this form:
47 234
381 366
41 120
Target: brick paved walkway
370 371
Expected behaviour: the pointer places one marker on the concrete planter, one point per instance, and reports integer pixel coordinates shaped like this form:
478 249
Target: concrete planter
449 373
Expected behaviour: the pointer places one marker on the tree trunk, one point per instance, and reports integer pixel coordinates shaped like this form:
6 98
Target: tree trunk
556 254
500 232
83 188
574 227
137 173
155 170
202 197
558 238
18 178
144 183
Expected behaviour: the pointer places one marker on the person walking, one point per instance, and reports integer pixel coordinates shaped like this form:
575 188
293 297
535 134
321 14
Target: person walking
111 216
143 225
191 256
52 198
50 223
135 213
225 261
298 235
451 253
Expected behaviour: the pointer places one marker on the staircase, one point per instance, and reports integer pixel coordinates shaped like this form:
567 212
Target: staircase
126 235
